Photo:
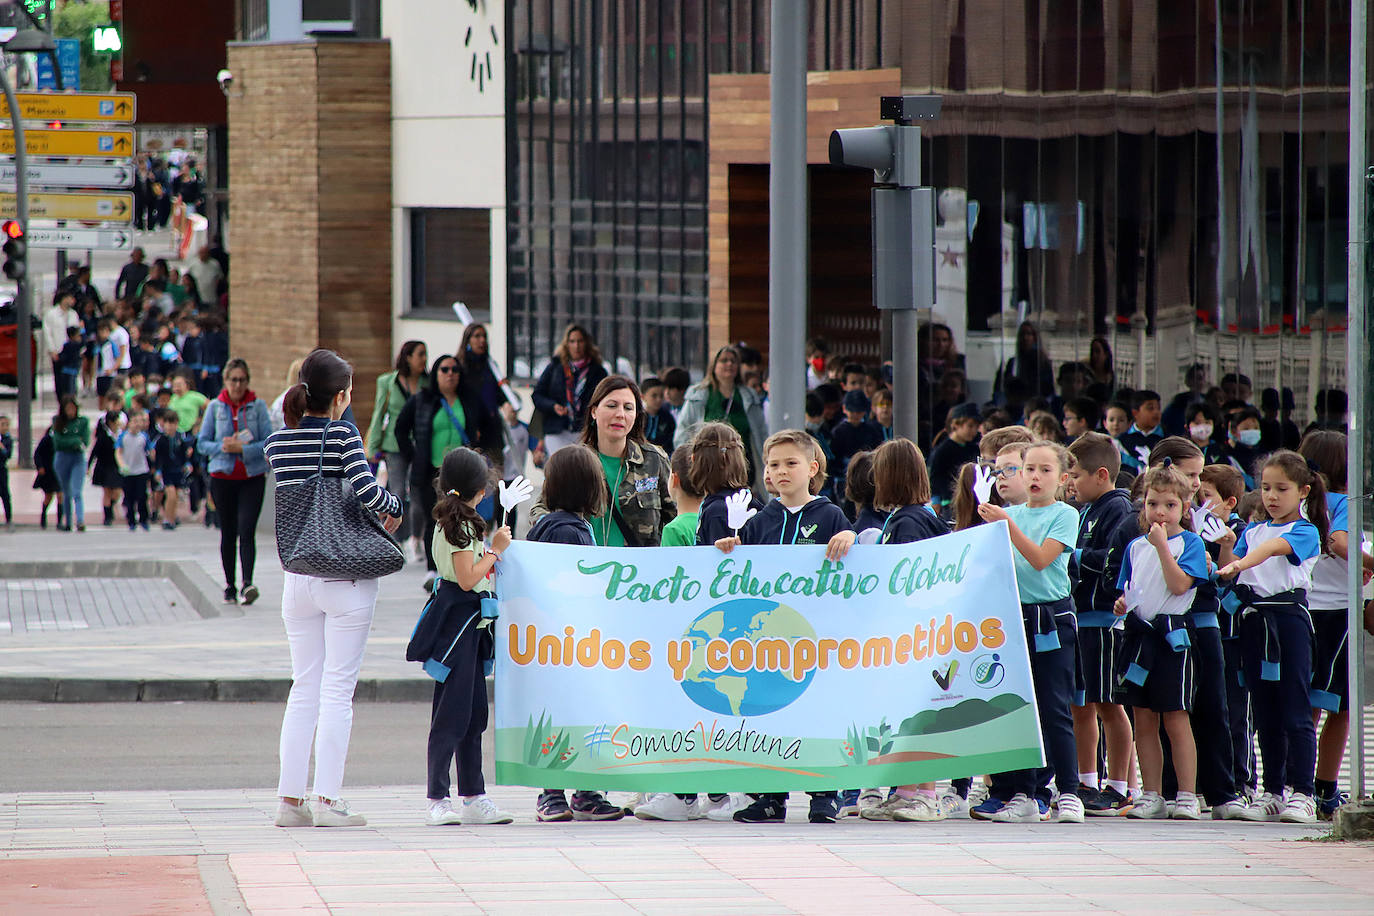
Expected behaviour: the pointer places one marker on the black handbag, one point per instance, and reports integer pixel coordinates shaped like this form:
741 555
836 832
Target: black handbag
324 531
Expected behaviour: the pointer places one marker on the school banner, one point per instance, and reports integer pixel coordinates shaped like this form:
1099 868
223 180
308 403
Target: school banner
684 669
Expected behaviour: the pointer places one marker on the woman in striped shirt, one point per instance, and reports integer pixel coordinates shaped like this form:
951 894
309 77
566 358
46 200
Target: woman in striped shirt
327 620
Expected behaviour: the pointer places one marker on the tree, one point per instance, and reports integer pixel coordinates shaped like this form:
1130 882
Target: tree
76 20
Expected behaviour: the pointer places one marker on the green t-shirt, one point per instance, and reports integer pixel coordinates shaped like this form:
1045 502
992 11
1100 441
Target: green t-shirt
443 558
604 529
187 408
681 531
1060 522
446 437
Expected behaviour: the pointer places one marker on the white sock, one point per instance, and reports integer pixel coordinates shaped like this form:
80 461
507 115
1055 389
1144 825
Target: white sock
1119 785
1088 779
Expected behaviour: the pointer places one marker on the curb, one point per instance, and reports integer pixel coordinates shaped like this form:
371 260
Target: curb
197 587
228 690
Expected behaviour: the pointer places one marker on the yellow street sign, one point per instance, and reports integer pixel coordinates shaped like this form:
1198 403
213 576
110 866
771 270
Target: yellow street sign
107 107
115 143
114 208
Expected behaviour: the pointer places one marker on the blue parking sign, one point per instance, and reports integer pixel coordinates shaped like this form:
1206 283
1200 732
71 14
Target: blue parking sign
105 143
107 108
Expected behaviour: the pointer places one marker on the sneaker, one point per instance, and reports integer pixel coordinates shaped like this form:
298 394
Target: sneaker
763 811
825 809
1070 809
168 526
1327 804
336 814
552 806
1229 810
985 809
1266 807
633 802
428 585
954 805
1150 806
1107 803
1300 809
1186 808
250 593
869 798
592 806
480 809
886 809
408 551
724 810
977 794
849 803
133 527
1020 810
441 813
665 806
143 525
921 808
231 595
289 815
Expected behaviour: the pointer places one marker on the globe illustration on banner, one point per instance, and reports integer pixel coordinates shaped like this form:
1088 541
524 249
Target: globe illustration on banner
744 693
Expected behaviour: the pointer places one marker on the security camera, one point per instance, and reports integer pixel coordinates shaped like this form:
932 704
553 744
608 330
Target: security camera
225 80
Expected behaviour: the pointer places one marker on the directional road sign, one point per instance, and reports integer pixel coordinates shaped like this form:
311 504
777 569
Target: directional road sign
105 107
66 175
116 143
114 207
104 239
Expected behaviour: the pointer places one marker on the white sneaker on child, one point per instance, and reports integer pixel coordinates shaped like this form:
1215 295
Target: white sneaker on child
1265 808
1150 806
922 808
1070 809
1186 808
480 810
1300 809
954 805
665 806
977 794
869 798
441 813
1020 810
725 808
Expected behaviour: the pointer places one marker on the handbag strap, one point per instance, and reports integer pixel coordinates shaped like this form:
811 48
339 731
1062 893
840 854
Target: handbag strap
324 440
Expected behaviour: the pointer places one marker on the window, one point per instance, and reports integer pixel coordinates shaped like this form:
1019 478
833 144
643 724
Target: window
450 260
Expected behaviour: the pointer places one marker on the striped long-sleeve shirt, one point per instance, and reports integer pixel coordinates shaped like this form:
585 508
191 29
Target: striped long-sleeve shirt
295 453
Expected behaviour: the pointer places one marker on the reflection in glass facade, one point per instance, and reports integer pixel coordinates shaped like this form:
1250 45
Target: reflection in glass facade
1168 175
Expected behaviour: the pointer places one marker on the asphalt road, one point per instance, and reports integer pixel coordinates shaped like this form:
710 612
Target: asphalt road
124 746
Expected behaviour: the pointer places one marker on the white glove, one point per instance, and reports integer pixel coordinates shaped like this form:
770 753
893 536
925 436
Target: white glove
1143 453
982 483
513 495
1211 530
1201 514
737 510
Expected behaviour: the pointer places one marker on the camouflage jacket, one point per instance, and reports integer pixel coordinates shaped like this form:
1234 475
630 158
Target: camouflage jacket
642 496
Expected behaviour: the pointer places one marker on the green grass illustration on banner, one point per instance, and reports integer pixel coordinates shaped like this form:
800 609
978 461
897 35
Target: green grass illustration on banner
547 748
874 741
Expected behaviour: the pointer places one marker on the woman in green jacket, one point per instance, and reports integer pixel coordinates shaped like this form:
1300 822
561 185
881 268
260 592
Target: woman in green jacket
71 434
393 390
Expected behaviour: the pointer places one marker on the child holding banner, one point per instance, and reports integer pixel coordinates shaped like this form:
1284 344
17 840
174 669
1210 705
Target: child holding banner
901 481
459 714
795 467
1043 532
575 492
1160 572
719 470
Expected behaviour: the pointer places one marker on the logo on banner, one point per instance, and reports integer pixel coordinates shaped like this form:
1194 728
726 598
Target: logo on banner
740 657
988 670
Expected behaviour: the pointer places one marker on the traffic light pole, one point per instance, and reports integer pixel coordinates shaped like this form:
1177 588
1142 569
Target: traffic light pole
23 329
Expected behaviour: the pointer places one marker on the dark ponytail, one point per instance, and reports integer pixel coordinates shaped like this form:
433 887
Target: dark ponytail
323 375
463 475
1296 469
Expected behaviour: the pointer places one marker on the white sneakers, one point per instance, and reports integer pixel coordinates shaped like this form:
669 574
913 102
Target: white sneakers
1022 809
1267 807
476 811
724 810
1186 807
1070 808
336 814
665 806
289 815
1300 809
1150 806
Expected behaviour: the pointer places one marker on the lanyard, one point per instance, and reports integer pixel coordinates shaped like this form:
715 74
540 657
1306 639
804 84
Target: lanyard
608 519
882 535
453 418
795 531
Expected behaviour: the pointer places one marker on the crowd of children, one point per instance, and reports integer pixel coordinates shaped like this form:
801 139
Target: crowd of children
1179 598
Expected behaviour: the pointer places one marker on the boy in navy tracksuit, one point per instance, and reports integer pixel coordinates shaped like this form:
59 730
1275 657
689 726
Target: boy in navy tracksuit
795 466
1106 509
1145 433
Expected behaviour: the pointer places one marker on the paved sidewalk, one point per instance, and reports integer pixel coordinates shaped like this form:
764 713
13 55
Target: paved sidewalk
397 865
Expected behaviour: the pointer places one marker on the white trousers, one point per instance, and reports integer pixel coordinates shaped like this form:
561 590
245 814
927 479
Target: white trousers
327 623
554 441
